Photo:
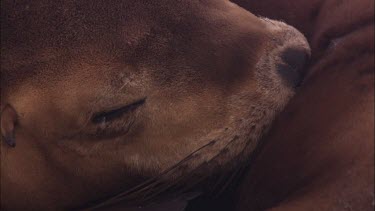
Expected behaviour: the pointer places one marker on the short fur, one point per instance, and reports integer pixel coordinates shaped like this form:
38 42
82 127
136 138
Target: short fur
320 153
195 82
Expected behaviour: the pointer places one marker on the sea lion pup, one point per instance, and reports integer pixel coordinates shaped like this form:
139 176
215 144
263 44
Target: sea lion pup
135 101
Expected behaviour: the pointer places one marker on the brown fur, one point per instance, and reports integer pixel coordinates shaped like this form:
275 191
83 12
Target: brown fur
196 84
320 154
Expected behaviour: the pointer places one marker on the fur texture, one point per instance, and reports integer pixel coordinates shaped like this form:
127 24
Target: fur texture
133 102
320 154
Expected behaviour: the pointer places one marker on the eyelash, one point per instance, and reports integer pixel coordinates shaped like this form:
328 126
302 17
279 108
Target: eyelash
115 113
108 123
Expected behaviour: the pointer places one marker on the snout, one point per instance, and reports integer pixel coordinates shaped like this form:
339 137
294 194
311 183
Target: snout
291 52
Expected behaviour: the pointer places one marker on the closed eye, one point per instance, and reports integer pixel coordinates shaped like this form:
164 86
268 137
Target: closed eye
111 115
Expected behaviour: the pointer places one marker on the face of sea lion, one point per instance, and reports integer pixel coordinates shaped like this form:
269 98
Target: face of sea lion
100 96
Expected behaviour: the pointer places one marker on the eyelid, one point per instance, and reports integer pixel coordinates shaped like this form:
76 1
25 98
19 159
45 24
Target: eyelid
115 113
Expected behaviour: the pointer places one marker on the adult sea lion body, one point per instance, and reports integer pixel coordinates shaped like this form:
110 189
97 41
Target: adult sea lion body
101 96
319 155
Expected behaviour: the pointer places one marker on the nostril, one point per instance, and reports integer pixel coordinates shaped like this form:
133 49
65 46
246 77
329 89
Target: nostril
292 66
295 58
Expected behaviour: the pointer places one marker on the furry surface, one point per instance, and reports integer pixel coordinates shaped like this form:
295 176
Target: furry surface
132 102
320 153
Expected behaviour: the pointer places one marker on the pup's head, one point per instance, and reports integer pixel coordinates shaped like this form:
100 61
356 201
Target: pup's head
101 95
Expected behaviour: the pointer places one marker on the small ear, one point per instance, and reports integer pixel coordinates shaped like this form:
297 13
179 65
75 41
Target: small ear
8 123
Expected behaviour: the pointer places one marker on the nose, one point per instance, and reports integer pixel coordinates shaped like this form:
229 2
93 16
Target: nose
292 67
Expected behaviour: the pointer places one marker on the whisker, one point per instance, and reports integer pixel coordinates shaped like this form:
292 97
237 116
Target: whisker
238 171
145 185
203 164
147 191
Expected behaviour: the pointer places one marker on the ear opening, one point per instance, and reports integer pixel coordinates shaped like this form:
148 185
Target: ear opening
8 123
